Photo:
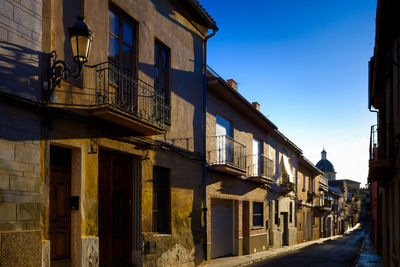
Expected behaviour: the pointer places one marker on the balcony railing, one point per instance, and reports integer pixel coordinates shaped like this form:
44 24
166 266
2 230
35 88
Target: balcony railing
286 185
262 166
119 89
373 143
226 151
381 166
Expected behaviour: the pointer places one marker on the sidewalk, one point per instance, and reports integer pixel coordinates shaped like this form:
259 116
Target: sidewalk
368 256
252 258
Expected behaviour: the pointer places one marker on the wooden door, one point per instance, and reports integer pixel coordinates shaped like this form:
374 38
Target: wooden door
115 209
60 212
285 236
246 227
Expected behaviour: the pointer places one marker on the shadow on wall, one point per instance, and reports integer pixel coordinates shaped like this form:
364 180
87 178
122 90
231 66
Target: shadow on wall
182 86
20 69
182 81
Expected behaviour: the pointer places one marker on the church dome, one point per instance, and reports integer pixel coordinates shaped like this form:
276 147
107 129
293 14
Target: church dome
324 164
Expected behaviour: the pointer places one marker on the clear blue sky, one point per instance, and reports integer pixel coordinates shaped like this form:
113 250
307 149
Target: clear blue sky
306 63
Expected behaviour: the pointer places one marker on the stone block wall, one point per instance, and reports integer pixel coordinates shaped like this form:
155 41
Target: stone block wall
20 201
19 170
20 47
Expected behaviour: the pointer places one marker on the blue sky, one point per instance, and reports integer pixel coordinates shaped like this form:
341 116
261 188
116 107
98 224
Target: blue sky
306 63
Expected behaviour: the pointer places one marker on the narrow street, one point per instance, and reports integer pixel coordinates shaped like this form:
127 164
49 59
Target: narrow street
340 252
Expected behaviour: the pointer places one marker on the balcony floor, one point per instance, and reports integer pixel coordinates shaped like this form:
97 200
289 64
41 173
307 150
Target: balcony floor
227 168
261 179
126 120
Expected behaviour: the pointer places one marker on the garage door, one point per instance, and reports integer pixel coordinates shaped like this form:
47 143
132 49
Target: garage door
222 225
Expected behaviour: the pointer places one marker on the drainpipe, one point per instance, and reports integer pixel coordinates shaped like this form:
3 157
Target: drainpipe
215 29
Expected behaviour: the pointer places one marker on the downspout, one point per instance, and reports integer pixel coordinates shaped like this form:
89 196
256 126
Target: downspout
215 29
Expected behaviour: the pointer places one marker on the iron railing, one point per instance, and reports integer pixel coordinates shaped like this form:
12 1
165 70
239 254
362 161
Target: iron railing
227 151
262 166
286 185
373 143
120 89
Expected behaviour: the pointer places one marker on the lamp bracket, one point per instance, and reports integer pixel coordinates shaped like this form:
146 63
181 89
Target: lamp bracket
59 71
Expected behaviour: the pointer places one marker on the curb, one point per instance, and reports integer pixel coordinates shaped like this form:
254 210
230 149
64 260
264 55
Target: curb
361 250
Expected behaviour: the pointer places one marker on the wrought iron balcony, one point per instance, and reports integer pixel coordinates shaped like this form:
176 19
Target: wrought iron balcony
373 143
286 186
380 167
311 196
226 155
122 98
262 169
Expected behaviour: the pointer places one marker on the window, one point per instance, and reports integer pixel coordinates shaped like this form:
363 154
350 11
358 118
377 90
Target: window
258 214
162 69
224 142
161 200
257 160
277 222
290 212
121 41
304 183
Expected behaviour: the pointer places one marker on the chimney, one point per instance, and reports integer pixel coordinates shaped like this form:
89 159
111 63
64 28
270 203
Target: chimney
232 84
256 105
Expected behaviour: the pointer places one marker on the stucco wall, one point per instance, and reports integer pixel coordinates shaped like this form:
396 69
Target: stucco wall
156 19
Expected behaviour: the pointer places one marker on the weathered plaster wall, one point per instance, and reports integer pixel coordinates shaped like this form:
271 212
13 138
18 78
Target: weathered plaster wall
184 246
156 19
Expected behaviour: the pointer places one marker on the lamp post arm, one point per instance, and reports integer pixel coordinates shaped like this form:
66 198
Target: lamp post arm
59 71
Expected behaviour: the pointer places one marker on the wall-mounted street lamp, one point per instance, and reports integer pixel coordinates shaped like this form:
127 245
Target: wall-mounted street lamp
81 40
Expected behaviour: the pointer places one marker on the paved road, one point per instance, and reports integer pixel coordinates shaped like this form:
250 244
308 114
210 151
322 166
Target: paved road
334 253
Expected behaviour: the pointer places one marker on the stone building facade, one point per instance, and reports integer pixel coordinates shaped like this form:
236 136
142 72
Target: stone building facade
96 172
308 212
247 179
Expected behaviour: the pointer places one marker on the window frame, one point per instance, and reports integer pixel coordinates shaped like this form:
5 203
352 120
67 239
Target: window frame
156 209
258 214
123 16
167 91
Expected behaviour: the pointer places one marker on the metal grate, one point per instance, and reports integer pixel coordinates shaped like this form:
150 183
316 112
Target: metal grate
120 89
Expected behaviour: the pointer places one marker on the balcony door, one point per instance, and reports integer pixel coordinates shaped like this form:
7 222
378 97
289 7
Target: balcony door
122 61
224 141
257 150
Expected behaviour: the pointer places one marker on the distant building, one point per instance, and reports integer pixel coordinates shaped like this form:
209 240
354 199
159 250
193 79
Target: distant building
308 210
326 166
346 185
